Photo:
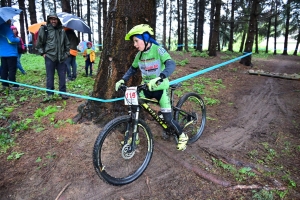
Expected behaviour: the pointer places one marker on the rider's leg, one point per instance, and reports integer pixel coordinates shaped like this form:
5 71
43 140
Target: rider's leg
166 110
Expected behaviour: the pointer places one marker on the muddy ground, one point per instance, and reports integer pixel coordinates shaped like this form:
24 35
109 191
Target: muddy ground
255 126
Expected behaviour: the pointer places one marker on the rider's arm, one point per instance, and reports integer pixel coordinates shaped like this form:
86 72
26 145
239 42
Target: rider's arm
130 72
170 67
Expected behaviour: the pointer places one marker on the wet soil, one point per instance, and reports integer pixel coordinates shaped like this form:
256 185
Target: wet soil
255 126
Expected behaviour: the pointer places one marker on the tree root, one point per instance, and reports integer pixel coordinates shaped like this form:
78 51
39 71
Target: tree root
199 172
213 178
62 191
247 187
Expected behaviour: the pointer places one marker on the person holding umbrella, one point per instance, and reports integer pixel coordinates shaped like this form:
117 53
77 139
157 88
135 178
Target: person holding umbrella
71 60
54 46
9 54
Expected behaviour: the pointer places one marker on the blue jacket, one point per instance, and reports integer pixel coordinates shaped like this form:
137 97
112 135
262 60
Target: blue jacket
8 42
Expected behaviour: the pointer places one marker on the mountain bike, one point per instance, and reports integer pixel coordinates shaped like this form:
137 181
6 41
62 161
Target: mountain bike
119 161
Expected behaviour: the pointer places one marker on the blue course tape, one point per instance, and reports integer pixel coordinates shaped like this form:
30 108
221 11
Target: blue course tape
121 98
207 69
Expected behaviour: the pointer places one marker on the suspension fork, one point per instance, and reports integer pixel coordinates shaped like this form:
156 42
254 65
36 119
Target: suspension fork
135 111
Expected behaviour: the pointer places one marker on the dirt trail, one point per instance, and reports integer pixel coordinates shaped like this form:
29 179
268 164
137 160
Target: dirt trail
253 109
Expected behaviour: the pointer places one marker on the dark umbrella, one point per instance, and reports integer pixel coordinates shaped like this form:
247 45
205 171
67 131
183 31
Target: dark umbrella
7 13
72 21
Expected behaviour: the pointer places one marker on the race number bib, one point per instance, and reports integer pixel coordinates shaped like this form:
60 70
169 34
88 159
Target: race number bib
131 96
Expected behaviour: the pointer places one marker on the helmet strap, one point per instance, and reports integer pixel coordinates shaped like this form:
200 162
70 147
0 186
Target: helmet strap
145 49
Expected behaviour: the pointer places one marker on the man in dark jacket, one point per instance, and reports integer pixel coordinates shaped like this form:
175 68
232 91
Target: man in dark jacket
71 60
54 46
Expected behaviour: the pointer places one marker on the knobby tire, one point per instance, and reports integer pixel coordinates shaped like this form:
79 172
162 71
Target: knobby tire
108 161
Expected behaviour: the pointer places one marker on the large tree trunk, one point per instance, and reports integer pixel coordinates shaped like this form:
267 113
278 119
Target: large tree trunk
215 30
251 33
117 56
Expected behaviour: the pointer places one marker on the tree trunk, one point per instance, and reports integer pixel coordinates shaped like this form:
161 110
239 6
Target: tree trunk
243 41
230 45
22 14
256 38
195 24
99 25
297 44
170 29
251 32
32 11
65 6
215 30
179 41
116 57
200 25
43 10
54 3
164 35
88 7
184 25
287 26
275 27
78 13
211 20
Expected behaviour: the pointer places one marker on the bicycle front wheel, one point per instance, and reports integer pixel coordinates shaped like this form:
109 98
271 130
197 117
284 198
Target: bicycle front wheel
190 113
114 160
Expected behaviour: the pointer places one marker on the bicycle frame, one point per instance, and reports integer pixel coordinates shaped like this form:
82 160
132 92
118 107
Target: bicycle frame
143 102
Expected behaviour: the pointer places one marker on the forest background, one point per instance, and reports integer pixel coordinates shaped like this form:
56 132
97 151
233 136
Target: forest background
181 24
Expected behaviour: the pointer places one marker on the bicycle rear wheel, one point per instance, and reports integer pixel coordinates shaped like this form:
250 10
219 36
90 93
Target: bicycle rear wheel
113 160
191 115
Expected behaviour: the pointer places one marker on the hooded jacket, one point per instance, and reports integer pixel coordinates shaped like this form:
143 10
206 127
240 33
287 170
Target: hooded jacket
8 41
54 43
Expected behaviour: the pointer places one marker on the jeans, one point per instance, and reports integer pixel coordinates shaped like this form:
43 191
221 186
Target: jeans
19 65
71 67
9 69
88 65
50 71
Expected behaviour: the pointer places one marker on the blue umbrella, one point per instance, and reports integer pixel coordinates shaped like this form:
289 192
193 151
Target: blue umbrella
7 13
72 21
83 45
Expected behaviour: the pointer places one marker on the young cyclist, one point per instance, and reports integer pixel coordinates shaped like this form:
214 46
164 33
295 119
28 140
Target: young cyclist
90 57
155 64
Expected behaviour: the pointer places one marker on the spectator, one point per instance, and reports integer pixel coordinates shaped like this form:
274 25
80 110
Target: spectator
21 49
9 55
29 42
71 60
90 57
54 46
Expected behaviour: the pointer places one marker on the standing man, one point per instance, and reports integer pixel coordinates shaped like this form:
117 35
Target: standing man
9 55
71 60
54 46
29 42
